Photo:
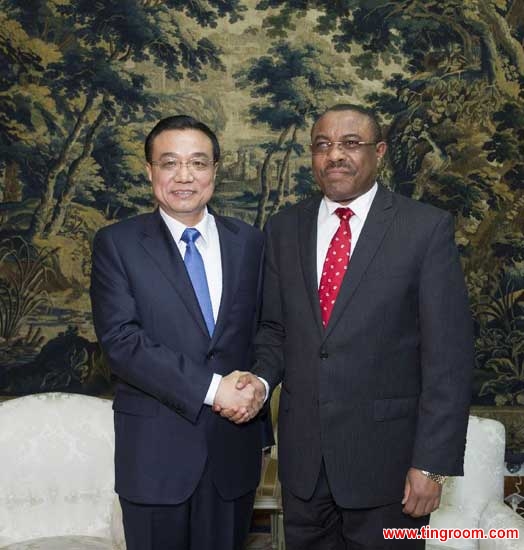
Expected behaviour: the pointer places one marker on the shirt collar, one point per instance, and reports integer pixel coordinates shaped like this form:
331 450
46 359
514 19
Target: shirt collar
360 206
176 228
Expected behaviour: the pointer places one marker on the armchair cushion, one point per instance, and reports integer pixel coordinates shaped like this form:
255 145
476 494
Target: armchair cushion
62 543
451 517
498 515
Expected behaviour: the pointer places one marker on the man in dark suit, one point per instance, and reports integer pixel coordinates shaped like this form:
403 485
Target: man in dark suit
365 321
174 297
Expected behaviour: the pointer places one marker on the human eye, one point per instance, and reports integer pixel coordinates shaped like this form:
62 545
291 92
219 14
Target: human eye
199 164
170 164
350 144
321 146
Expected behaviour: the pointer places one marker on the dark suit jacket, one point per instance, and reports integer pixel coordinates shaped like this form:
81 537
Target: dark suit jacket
387 385
150 326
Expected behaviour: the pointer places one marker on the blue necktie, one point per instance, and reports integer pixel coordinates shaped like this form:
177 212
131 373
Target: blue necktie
197 274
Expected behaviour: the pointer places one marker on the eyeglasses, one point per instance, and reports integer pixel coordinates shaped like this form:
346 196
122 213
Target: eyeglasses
323 147
193 165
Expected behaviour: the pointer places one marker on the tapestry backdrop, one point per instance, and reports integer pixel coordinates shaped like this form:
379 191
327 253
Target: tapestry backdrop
82 83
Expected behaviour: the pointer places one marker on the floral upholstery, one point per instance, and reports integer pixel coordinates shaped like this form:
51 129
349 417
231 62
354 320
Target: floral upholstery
57 474
471 501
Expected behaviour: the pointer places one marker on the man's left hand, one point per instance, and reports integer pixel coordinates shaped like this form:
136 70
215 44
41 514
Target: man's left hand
421 494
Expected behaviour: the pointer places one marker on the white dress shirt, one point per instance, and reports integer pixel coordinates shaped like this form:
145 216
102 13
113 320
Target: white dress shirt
208 244
328 223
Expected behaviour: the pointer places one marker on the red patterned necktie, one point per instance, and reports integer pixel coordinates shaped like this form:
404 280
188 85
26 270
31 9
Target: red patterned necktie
335 265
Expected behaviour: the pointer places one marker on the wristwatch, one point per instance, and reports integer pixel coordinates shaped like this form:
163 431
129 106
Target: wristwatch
440 479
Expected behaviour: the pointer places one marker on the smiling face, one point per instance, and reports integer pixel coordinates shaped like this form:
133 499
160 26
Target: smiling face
183 193
345 175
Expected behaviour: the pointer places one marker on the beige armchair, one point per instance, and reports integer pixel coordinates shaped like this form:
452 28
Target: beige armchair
477 499
57 475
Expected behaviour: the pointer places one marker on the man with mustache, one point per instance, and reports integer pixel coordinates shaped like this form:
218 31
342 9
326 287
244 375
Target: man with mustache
175 299
365 321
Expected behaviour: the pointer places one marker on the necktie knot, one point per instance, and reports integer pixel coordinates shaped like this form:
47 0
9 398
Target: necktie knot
190 235
344 213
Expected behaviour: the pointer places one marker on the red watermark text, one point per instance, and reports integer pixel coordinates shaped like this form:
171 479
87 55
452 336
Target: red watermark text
443 535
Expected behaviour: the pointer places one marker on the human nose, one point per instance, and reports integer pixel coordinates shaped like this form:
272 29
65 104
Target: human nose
183 172
336 151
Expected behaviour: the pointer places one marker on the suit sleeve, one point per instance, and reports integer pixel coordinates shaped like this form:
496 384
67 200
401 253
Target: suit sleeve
271 332
446 354
266 423
170 376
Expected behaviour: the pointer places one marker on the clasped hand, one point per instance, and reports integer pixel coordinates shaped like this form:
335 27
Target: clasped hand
239 397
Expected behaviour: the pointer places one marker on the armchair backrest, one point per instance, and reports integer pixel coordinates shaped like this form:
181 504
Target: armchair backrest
56 466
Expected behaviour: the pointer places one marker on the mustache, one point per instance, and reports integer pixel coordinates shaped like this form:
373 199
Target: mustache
339 164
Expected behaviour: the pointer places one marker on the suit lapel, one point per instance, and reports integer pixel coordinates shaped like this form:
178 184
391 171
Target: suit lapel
307 244
231 253
158 243
377 222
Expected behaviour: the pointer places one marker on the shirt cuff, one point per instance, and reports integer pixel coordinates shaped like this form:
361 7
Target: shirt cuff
266 385
213 388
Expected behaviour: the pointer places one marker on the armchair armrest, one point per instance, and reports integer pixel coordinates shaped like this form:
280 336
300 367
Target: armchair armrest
498 515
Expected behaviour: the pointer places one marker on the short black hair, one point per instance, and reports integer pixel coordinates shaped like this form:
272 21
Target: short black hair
180 122
369 113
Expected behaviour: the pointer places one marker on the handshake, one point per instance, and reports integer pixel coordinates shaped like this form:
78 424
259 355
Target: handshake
239 397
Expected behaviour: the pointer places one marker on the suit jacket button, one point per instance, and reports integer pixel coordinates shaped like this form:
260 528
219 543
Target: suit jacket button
210 355
323 354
